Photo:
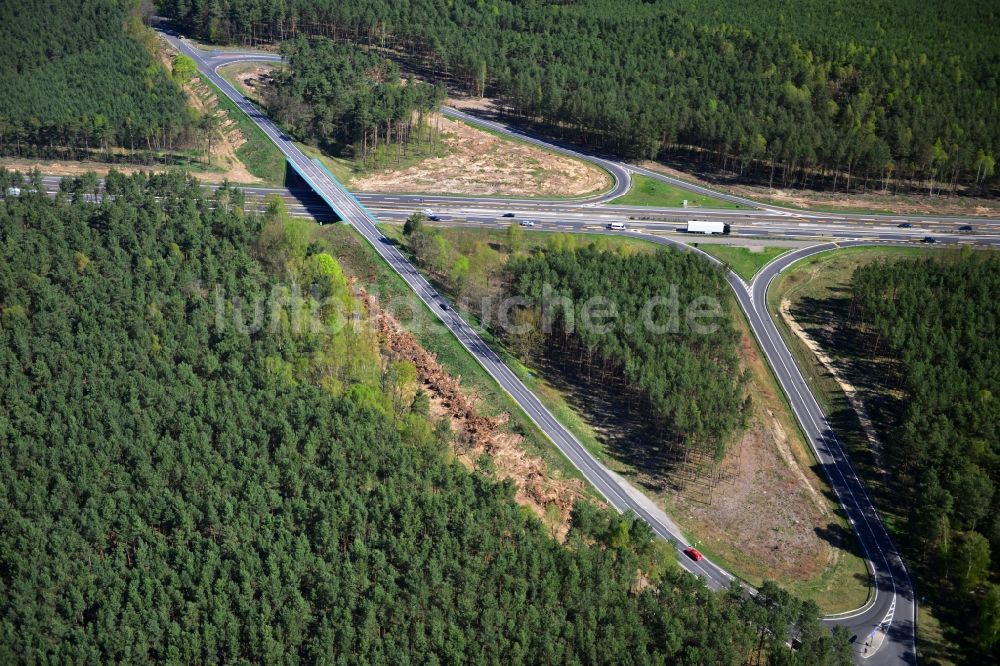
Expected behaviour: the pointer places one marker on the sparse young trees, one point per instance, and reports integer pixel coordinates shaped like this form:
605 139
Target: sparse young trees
341 95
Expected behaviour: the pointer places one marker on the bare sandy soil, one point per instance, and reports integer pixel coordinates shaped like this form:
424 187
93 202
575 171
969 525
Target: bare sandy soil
852 393
480 163
475 162
253 78
225 164
203 98
903 204
767 514
66 168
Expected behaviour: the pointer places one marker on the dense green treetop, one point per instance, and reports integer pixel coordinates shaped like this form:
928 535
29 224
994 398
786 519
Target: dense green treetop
82 73
671 337
880 90
340 95
180 484
941 318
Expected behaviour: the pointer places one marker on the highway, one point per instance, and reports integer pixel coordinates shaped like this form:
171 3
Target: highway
888 618
615 490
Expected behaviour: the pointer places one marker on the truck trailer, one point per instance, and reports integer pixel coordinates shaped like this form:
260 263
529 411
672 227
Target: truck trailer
707 228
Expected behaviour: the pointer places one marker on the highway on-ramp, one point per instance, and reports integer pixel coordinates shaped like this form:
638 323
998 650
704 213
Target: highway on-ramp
887 620
618 492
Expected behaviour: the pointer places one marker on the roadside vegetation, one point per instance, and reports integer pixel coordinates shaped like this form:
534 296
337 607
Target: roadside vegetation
830 99
285 473
254 150
445 157
122 99
892 340
364 265
350 101
682 383
646 191
786 527
744 261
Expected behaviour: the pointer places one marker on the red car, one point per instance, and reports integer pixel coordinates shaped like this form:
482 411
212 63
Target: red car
693 553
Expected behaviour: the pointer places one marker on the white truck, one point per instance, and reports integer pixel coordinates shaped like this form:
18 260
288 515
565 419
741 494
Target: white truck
707 228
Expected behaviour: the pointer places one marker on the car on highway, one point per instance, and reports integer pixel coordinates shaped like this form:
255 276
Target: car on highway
508 214
527 223
444 306
905 225
13 191
693 553
965 227
617 226
929 239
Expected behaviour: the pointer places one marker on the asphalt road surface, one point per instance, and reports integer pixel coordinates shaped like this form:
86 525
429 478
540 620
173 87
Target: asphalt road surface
617 491
886 623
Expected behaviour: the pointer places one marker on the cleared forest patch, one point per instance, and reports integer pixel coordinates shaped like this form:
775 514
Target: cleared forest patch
467 161
492 423
478 435
770 512
763 511
483 164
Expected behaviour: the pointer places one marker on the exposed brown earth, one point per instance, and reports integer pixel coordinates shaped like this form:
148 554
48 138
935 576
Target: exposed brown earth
852 393
480 163
203 99
767 513
253 78
551 499
474 162
78 168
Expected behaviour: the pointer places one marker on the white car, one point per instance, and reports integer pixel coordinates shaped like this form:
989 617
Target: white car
527 223
13 191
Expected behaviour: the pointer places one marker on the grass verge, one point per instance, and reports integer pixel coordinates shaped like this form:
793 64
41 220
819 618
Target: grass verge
816 279
646 191
232 71
842 586
361 261
258 153
743 260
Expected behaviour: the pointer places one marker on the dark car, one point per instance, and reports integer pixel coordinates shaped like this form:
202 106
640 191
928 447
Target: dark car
693 553
444 306
967 227
929 239
905 225
508 214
